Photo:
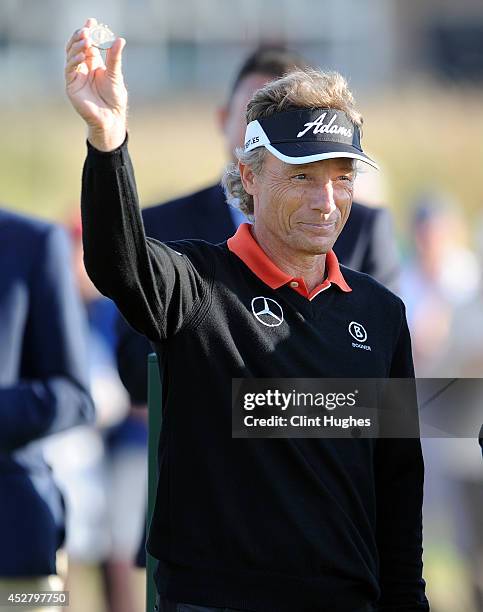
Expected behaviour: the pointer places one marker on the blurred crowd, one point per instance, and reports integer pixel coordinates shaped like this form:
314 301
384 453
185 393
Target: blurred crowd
442 286
100 463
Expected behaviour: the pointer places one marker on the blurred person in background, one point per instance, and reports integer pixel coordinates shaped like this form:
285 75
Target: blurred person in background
460 457
464 353
442 291
43 390
367 242
102 468
442 274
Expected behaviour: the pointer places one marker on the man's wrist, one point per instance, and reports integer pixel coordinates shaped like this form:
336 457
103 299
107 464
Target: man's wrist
106 140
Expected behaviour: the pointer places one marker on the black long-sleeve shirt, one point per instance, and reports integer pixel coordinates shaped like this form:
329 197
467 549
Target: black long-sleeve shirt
272 525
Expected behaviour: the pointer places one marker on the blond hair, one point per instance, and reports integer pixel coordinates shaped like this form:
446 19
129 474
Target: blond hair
297 89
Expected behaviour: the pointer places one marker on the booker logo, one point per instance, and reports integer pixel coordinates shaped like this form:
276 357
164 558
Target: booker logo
267 311
357 331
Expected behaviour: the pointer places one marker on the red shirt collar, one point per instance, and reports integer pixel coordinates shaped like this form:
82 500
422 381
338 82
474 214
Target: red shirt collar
244 245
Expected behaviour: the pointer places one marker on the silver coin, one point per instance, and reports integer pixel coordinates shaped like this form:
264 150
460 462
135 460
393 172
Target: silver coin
102 37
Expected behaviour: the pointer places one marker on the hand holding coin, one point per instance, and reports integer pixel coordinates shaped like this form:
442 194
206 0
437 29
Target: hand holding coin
96 87
101 36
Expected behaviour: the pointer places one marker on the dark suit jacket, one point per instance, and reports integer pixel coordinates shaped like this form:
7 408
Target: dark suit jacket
43 387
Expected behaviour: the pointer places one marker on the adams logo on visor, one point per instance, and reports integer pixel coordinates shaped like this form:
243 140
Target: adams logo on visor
307 135
331 127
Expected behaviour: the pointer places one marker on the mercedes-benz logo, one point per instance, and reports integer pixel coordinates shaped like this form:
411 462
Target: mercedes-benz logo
267 311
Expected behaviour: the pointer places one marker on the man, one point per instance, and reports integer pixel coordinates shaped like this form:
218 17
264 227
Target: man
259 524
366 244
43 390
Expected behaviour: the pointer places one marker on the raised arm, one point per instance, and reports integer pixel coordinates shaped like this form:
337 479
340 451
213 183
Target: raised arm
155 287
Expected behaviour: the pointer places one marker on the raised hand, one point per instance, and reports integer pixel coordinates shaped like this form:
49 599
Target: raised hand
96 89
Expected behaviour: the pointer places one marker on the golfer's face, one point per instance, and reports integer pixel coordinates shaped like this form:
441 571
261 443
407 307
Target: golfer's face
304 206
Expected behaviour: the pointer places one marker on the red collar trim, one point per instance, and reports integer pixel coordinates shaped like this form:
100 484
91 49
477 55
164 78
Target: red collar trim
244 245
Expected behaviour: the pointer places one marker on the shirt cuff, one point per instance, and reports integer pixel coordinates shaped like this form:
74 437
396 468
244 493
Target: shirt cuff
115 159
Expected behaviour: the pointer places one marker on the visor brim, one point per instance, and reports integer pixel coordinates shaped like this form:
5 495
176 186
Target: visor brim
308 152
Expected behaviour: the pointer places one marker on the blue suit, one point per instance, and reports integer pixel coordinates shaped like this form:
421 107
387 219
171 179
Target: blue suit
43 387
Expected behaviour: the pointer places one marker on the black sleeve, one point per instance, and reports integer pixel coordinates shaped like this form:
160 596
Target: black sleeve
399 470
381 259
157 289
132 361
